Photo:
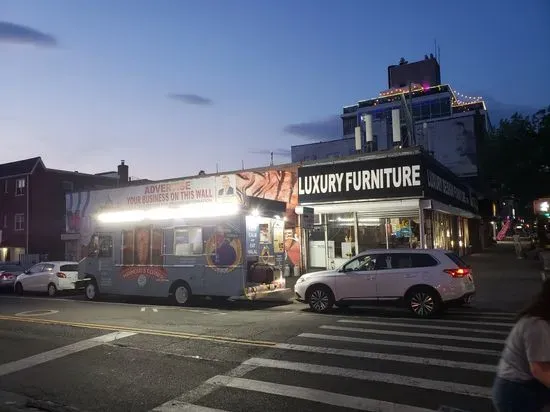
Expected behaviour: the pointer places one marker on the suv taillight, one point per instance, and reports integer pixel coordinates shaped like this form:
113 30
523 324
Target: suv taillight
61 275
457 273
7 276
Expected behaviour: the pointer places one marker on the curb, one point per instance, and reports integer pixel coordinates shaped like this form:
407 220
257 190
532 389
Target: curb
13 402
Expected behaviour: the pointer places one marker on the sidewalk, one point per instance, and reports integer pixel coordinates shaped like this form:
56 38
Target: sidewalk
504 282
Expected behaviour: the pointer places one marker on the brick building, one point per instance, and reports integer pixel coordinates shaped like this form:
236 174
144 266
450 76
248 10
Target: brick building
32 205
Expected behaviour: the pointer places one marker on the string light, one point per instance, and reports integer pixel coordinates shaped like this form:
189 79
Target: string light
463 100
392 95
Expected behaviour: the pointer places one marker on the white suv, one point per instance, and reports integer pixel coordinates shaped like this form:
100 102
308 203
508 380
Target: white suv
427 280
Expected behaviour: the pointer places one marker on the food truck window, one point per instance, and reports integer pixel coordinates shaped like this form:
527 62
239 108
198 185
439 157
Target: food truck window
105 247
156 246
142 246
127 247
188 241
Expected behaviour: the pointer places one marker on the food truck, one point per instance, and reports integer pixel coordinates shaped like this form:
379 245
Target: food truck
218 248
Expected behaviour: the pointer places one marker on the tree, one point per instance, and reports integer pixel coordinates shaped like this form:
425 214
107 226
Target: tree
515 158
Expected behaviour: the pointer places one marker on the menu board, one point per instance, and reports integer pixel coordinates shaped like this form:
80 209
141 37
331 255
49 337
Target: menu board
252 237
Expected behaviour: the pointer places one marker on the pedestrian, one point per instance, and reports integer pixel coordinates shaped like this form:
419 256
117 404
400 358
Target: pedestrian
517 244
522 382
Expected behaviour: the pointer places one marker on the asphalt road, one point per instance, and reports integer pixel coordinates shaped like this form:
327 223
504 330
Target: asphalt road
66 354
236 357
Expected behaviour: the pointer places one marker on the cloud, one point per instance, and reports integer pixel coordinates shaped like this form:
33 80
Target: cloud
191 99
276 152
16 33
329 128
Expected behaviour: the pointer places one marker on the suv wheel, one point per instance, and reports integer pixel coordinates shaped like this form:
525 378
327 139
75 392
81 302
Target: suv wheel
423 302
320 299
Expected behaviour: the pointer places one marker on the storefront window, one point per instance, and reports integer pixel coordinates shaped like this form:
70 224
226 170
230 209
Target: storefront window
442 227
340 238
404 232
371 232
316 245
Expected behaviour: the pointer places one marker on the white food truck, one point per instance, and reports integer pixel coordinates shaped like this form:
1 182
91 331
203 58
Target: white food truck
218 249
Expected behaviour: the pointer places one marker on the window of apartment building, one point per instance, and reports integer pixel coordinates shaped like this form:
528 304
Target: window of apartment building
20 221
5 220
20 187
6 186
68 186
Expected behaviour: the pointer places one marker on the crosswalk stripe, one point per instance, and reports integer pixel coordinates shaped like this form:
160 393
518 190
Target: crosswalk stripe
412 334
476 318
434 327
446 321
366 375
388 357
469 312
314 395
402 344
188 407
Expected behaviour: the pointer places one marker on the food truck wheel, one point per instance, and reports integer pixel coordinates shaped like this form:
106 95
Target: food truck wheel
91 291
180 293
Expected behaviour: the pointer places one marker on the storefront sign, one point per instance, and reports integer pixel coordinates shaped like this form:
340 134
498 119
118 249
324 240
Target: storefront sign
414 175
367 179
541 206
453 193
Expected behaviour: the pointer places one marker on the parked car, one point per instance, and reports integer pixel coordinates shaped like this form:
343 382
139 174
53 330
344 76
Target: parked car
426 280
49 277
8 273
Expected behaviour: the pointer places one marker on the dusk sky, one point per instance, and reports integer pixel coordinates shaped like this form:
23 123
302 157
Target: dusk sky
176 86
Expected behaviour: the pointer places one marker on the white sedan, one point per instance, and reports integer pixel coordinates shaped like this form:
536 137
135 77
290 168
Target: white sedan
49 277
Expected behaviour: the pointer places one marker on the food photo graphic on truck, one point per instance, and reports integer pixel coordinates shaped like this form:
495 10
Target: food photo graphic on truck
181 245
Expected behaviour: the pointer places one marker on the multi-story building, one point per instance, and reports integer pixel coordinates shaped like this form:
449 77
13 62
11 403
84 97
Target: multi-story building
415 110
32 205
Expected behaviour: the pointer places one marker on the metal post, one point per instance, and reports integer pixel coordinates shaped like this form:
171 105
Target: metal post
386 227
356 230
422 229
27 217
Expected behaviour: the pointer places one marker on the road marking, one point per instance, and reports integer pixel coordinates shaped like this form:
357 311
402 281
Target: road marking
39 312
388 357
366 375
434 327
467 312
402 344
44 357
450 321
182 335
474 318
314 395
412 334
185 406
187 400
143 309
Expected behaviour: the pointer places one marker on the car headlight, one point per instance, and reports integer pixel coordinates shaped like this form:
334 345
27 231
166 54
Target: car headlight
300 279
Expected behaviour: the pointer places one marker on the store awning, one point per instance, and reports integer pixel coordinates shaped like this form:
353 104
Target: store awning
379 208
